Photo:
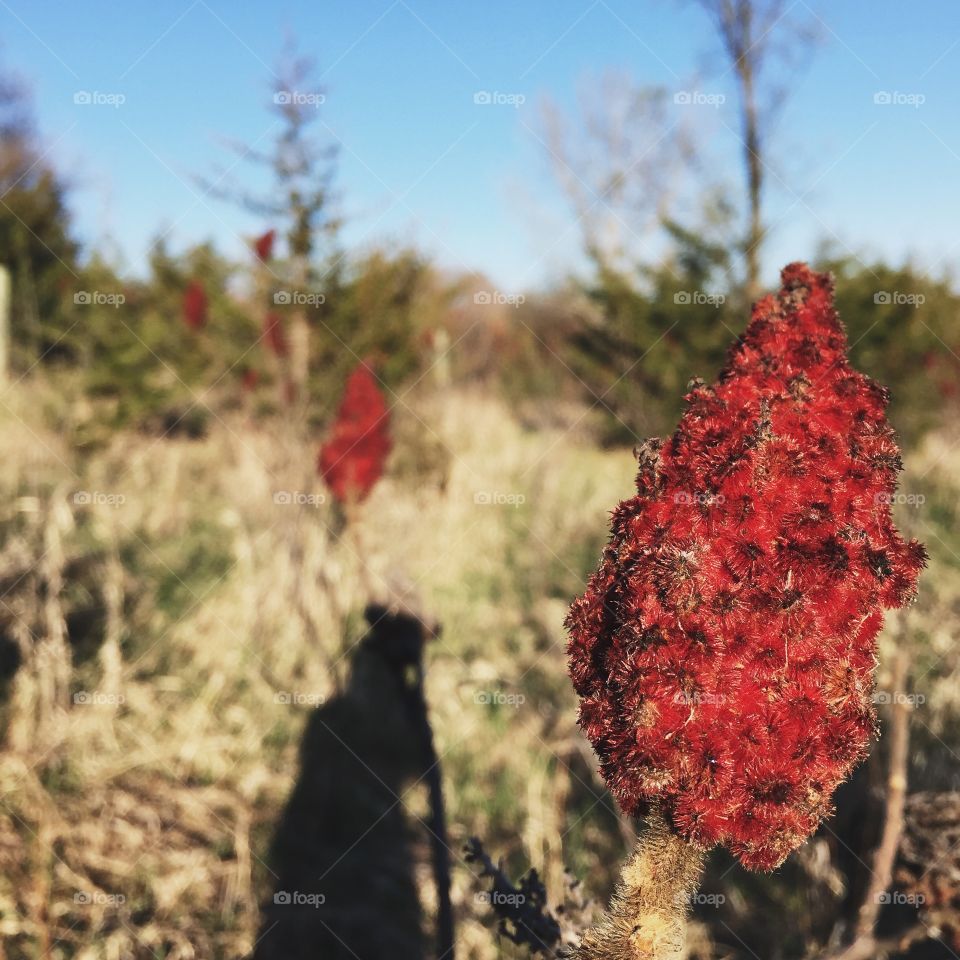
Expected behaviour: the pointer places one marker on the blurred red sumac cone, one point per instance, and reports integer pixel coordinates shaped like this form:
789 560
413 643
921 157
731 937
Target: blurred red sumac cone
353 457
249 379
725 648
195 305
274 335
263 245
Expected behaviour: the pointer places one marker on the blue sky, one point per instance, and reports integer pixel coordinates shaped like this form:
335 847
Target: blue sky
422 163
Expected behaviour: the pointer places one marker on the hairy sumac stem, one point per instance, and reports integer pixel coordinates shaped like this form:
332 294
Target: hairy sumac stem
647 916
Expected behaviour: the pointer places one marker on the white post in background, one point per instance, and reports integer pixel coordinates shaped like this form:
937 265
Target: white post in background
4 326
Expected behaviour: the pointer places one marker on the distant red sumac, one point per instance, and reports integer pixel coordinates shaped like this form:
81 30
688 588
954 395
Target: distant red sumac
353 457
274 335
195 305
263 245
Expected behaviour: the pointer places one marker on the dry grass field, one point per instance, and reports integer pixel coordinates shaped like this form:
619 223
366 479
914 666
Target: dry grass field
174 609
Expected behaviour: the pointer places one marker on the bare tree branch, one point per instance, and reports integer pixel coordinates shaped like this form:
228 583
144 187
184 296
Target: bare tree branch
754 34
618 162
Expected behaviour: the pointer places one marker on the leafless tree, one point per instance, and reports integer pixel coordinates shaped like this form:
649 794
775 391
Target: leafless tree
300 202
761 40
619 162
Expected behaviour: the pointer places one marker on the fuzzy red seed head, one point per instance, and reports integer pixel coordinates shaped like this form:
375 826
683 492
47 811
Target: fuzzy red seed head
263 245
724 651
249 379
274 335
353 457
195 305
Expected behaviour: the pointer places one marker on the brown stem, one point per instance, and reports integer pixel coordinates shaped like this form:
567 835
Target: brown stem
886 851
864 944
648 912
437 825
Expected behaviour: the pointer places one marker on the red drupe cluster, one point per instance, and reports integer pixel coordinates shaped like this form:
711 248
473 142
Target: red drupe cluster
195 305
274 335
263 245
353 457
724 651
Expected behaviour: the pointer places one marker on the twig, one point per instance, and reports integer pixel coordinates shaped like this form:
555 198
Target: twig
521 909
437 827
865 944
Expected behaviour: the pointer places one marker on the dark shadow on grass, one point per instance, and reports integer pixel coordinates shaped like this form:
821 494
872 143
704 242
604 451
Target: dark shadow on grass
344 850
